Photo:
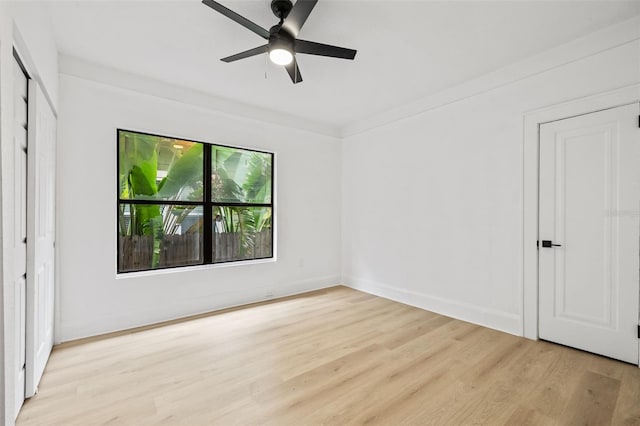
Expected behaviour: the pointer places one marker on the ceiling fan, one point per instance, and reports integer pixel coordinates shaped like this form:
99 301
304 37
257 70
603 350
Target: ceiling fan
282 42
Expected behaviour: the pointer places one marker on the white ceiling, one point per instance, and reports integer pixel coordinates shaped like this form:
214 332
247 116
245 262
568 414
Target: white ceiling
406 49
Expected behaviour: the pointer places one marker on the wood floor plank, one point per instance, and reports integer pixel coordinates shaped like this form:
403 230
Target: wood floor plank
627 410
551 393
331 357
523 416
593 401
387 390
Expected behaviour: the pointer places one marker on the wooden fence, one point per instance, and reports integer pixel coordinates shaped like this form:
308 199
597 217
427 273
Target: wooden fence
136 251
227 246
180 250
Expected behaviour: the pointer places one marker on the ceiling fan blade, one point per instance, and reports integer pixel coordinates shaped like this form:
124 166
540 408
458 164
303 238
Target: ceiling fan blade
294 71
313 48
246 53
298 15
237 18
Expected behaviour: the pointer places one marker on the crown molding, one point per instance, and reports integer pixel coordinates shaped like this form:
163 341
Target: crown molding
81 68
583 47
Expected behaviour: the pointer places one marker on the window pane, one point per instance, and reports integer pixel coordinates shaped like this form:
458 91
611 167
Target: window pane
159 168
242 233
152 236
240 176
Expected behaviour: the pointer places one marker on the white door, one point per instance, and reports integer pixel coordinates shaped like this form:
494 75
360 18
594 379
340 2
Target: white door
590 211
19 236
40 255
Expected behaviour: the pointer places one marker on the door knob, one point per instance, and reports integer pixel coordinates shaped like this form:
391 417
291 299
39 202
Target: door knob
547 243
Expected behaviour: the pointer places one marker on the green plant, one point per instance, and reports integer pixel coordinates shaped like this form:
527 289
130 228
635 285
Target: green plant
254 171
170 171
139 156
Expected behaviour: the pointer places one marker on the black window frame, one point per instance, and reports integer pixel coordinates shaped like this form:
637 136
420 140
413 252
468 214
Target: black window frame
207 203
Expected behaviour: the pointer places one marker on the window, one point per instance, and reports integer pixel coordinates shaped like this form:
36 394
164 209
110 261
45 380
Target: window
170 213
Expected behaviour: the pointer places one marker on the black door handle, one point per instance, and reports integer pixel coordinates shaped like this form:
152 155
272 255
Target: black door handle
547 243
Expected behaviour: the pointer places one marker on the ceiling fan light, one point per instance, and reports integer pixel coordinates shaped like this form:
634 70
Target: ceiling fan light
280 56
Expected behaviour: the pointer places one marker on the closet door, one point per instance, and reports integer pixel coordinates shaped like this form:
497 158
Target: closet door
19 237
41 234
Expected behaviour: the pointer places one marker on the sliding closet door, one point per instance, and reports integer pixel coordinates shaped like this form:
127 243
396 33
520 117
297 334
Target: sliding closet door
19 236
41 234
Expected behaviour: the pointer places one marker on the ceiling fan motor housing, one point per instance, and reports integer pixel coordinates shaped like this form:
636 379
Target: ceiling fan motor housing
281 39
281 8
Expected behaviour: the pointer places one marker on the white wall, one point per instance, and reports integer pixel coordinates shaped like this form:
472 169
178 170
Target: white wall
432 203
33 35
25 26
93 300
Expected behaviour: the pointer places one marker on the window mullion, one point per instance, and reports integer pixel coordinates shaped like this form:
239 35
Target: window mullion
208 236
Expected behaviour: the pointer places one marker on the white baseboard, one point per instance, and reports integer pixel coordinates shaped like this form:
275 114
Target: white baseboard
74 330
498 320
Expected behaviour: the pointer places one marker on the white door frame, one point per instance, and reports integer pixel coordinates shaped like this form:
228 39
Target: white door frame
532 121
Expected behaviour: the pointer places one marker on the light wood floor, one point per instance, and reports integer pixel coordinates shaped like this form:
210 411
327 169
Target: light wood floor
331 357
